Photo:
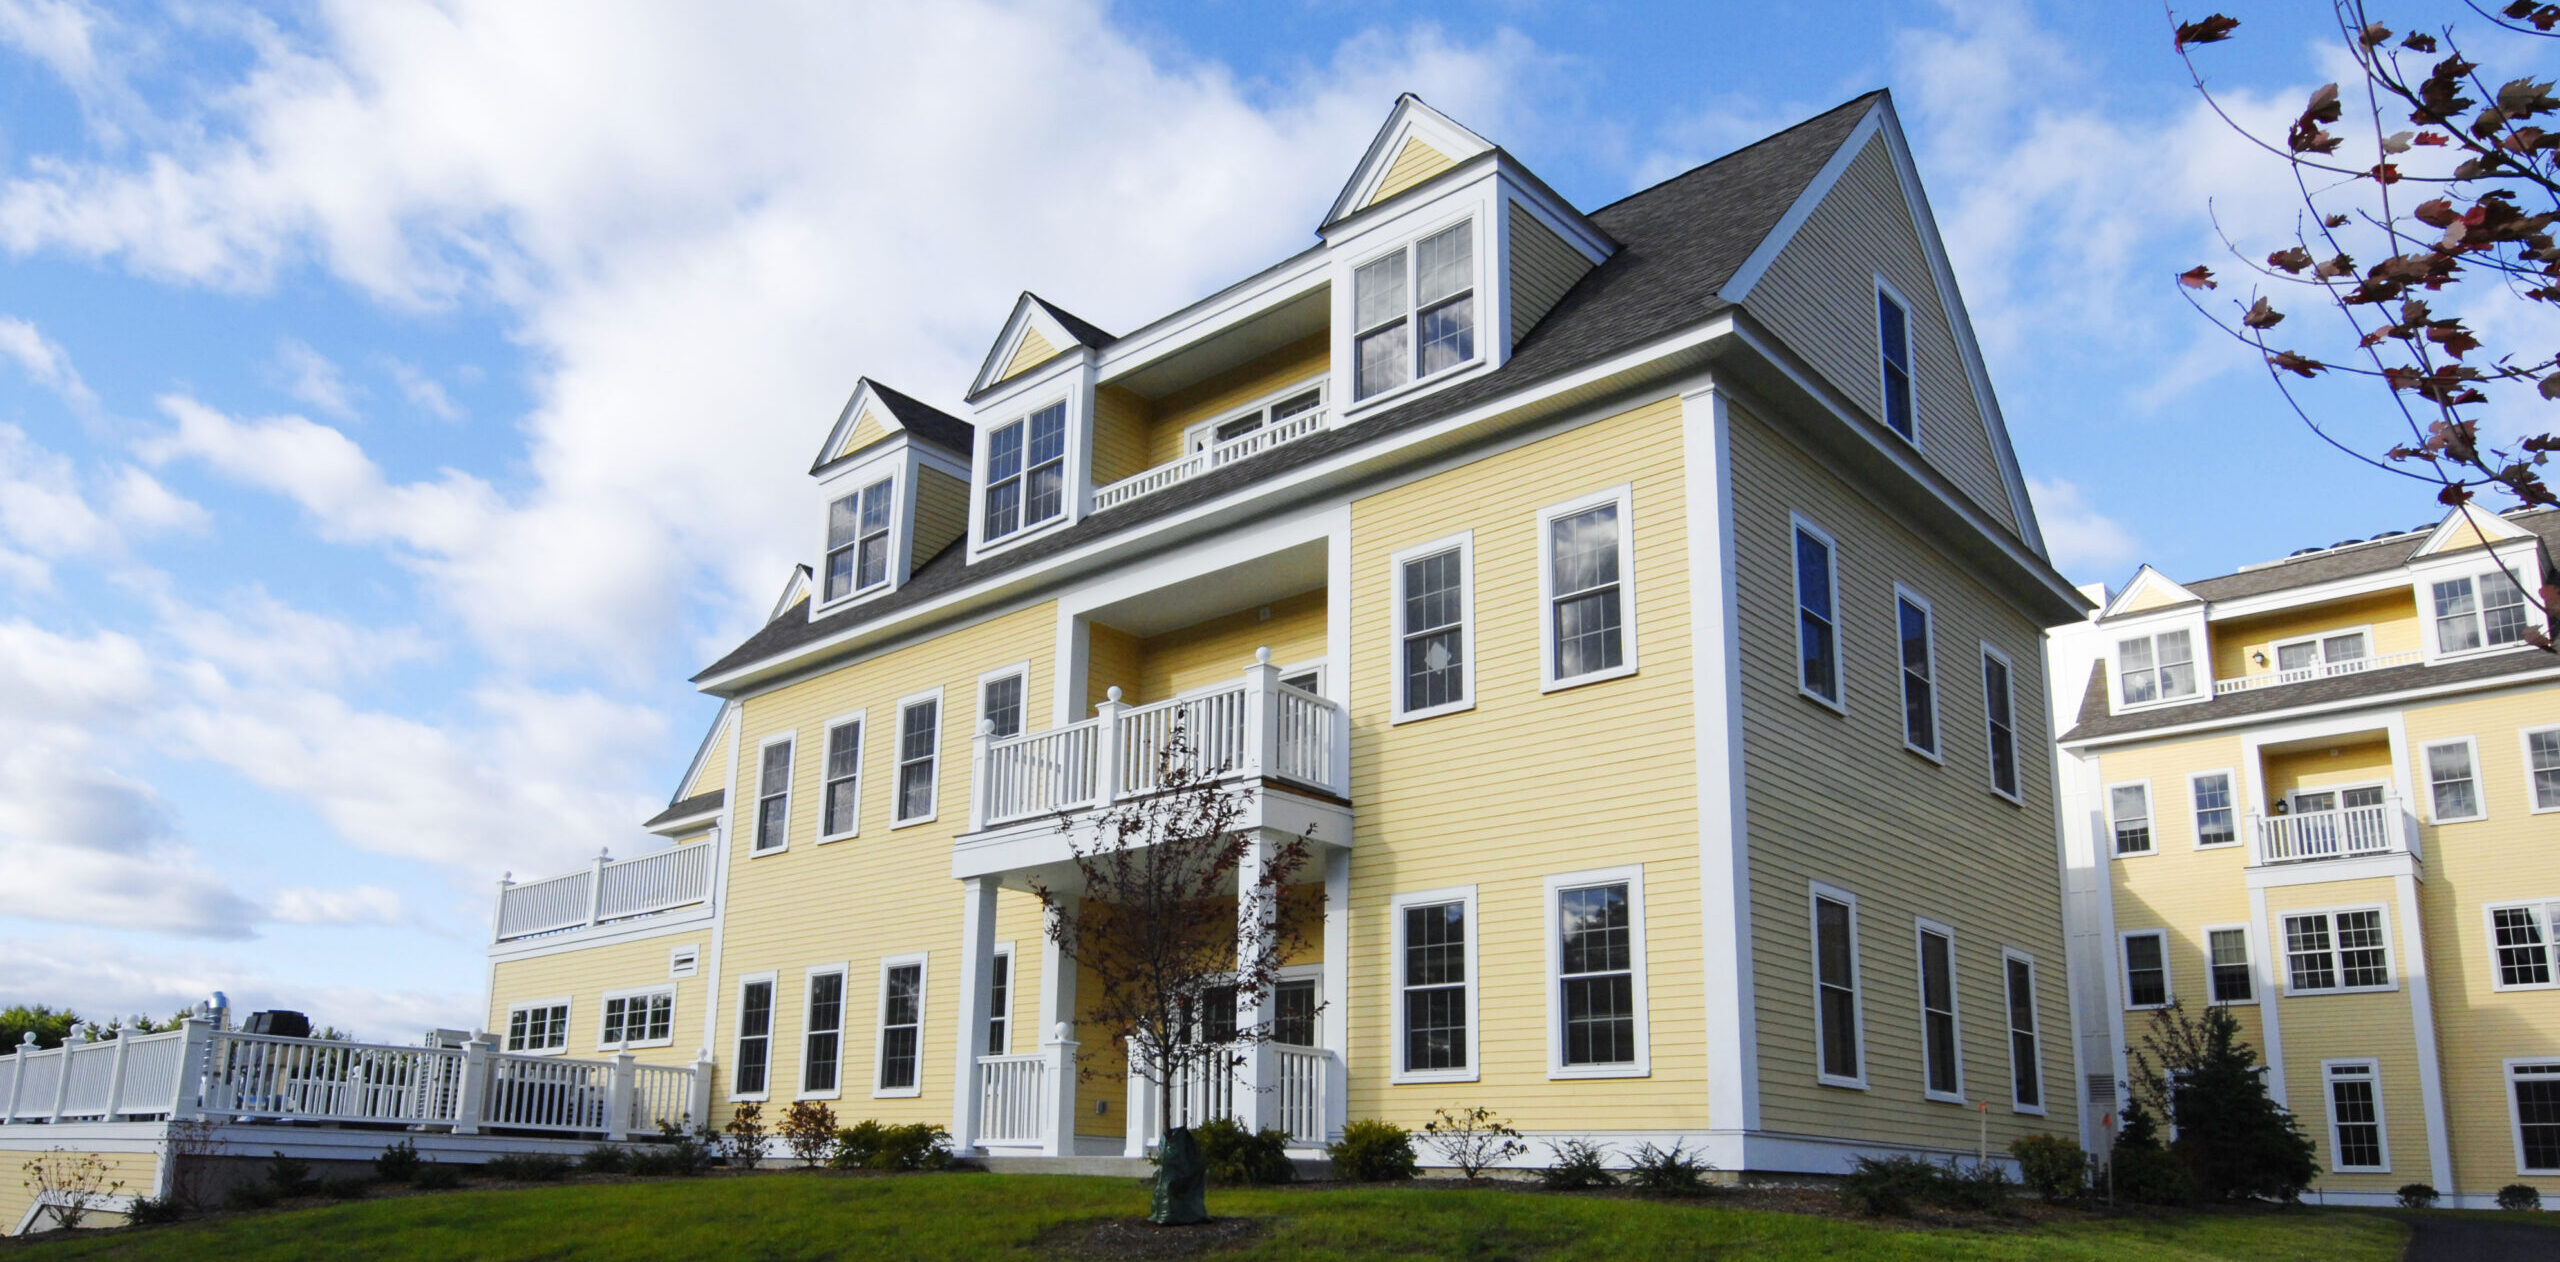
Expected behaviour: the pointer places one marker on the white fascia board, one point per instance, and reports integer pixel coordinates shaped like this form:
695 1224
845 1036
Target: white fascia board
693 767
2514 554
1282 281
1411 118
2148 579
1738 287
2383 701
881 461
994 405
1467 178
689 920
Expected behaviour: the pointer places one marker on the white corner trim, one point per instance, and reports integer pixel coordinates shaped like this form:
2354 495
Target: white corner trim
1724 852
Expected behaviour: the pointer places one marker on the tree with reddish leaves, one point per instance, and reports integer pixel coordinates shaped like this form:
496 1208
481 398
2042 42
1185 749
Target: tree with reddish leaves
2450 188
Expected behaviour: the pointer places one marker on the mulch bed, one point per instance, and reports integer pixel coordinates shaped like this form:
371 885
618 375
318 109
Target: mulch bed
1116 1239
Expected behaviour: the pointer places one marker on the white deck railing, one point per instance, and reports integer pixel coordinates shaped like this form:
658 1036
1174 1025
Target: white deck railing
1296 1099
1253 727
2334 834
605 891
1013 1099
1287 429
2305 674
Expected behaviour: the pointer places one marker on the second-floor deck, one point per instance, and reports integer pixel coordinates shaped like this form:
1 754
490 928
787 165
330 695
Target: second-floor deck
2345 832
1284 430
606 892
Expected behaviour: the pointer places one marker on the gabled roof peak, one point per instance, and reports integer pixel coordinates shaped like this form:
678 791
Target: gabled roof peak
1036 332
1414 144
2149 590
875 411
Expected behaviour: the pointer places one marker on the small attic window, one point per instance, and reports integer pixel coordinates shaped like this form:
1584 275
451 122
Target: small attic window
1027 472
1893 347
1419 317
858 540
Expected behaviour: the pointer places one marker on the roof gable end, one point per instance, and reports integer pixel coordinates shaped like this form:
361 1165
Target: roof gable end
1416 143
2149 590
875 413
1036 332
2465 528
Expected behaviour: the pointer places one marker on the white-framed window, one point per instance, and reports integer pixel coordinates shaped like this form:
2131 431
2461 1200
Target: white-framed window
2217 819
1941 1038
684 961
858 539
2348 949
2522 940
1435 1009
1817 570
901 1056
2542 767
773 793
2129 817
840 779
2156 667
1001 699
753 1072
1306 677
1434 617
1586 577
1000 1001
1840 1054
1297 400
2026 1035
1413 311
637 1018
2533 1102
2146 969
2357 1141
1915 622
2000 722
1893 356
1027 472
822 1033
1595 960
538 1026
2331 648
919 756
2479 611
2230 978
1295 1009
2453 780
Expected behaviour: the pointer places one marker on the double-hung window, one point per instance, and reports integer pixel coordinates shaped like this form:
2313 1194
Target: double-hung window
638 1018
841 789
2453 781
2534 1090
2026 1052
1413 311
1919 672
2158 667
1000 702
822 1038
2355 1116
2542 767
1842 1061
2215 823
1942 1063
1999 708
901 1026
2129 817
1590 628
1817 614
2336 951
2228 975
858 540
542 1026
755 1037
1027 472
2146 969
1435 1003
773 794
1434 603
1893 350
2520 936
2479 611
919 751
1597 950
1293 1012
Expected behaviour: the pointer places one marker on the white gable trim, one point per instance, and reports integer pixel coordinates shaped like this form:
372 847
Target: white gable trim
2146 580
693 769
1410 119
1027 314
2491 527
864 399
792 591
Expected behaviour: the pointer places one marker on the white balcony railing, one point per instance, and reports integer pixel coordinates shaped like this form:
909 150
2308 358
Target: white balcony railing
1252 727
604 892
1013 1099
2342 833
1296 1099
2305 674
1287 429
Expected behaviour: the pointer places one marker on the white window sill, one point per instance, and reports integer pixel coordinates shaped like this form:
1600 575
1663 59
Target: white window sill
2553 809
849 599
2458 819
1566 1072
635 1047
920 819
2143 854
1930 754
784 848
754 1098
1595 677
1426 1076
836 1093
2502 986
1845 1084
1941 1097
1415 716
840 837
561 1050
2018 800
2152 1007
2188 698
898 1093
2291 993
2031 1110
990 547
2218 845
1393 393
1840 708
2231 1003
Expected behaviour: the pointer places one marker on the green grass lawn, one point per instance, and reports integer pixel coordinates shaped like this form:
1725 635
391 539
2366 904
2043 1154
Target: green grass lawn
788 1216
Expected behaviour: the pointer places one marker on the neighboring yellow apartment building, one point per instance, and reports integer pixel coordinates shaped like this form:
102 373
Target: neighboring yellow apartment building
1641 607
2325 791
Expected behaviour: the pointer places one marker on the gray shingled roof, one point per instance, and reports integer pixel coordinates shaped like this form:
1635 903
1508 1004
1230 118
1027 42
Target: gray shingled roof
1084 331
2268 700
1678 243
921 420
2353 561
687 808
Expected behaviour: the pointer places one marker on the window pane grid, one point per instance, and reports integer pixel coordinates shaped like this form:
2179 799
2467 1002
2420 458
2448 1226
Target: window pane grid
1919 703
2229 952
2215 823
919 736
844 777
1996 700
1002 706
1938 1012
2130 804
1583 561
2307 955
755 1032
1434 639
2523 944
2146 970
1435 987
901 1022
773 795
1836 983
2027 1086
2357 1120
1893 339
2537 1100
826 1032
2455 791
1597 977
1816 629
2542 751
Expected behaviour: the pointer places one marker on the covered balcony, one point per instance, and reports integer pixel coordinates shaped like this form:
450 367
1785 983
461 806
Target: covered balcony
2335 795
606 892
1236 392
2369 824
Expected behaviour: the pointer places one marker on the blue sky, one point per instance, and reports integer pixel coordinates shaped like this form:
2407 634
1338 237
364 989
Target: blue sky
398 401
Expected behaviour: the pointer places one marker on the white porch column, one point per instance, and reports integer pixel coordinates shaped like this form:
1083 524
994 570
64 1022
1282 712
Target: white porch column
1254 922
1333 1020
1142 1103
1058 1019
1058 1052
977 965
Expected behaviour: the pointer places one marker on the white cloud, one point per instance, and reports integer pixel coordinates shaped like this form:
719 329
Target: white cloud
142 505
2086 544
45 363
423 392
57 33
49 515
360 905
332 479
310 377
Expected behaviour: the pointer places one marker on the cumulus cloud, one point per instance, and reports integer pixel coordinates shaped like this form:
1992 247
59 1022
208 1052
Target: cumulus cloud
310 377
45 363
360 905
423 392
2086 544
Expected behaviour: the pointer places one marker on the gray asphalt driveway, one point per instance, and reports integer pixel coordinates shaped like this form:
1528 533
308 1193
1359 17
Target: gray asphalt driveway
2470 1238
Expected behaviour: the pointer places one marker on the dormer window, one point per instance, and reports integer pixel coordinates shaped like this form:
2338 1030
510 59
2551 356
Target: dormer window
1414 317
2156 667
1027 472
2483 611
858 540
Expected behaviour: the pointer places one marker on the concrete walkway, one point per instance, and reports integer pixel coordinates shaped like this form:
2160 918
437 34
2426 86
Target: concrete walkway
2463 1238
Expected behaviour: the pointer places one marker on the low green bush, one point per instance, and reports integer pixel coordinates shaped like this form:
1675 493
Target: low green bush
287 1176
1239 1157
870 1145
398 1163
679 1152
1672 1171
155 1211
2418 1196
1889 1186
251 1196
437 1176
1372 1151
1579 1164
2519 1196
1982 1188
529 1167
2051 1167
2151 1176
606 1159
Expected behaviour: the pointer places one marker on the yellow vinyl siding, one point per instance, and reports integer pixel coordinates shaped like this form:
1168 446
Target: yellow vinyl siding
887 892
2393 615
1839 800
2156 596
1111 661
137 1172
1529 785
583 975
2374 1025
866 431
1543 267
942 512
2177 888
1122 419
1033 351
1257 378
2476 531
714 772
1819 295
1414 163
1219 649
2352 762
